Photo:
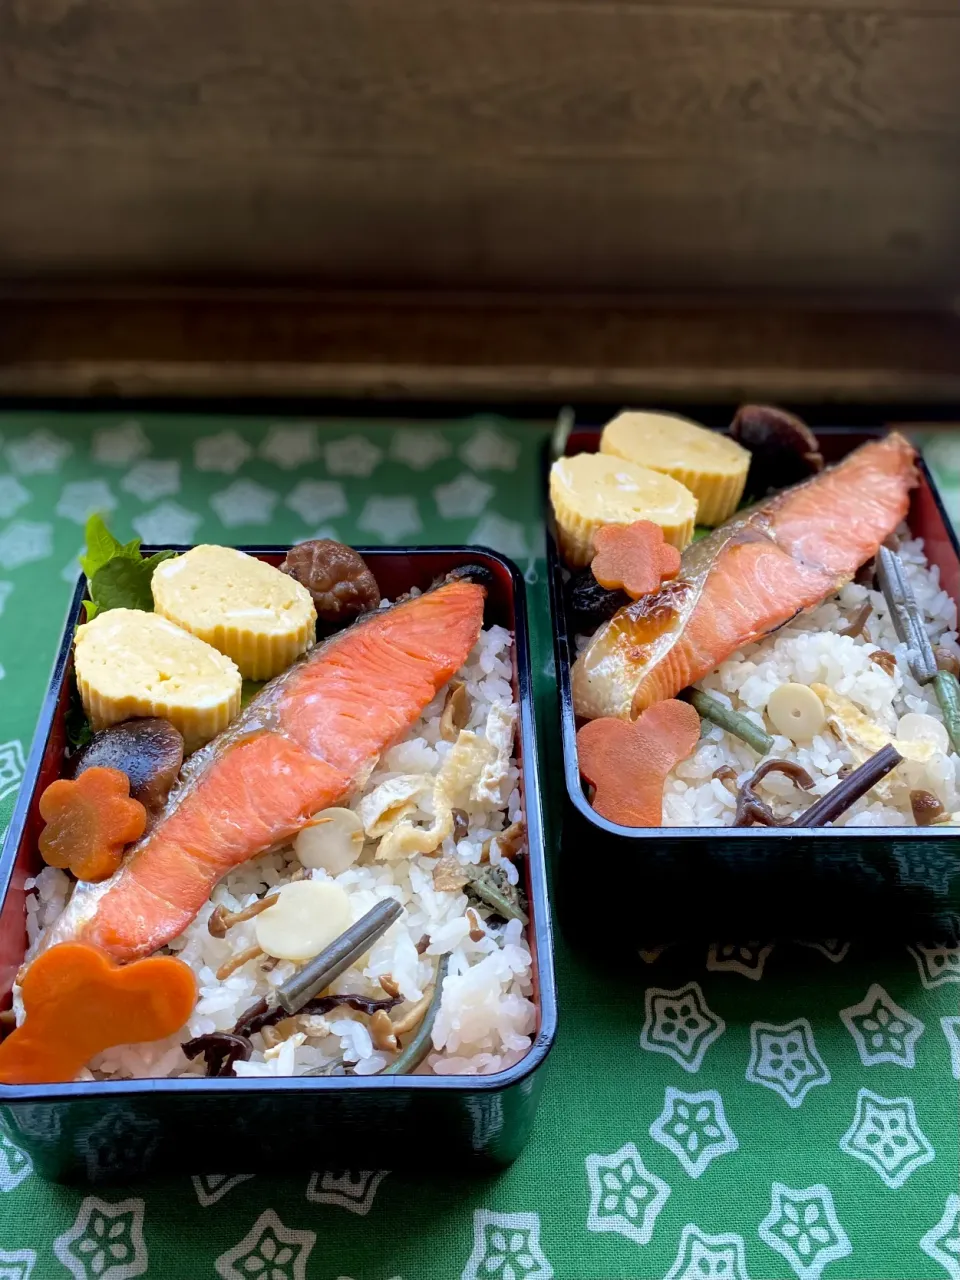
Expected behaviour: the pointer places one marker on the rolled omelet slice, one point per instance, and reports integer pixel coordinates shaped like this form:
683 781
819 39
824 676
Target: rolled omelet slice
130 664
261 618
713 467
591 490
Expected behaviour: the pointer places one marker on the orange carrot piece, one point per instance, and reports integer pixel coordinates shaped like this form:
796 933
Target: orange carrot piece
634 558
78 1003
90 820
627 762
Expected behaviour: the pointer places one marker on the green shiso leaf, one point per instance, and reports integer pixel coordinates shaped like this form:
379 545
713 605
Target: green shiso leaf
118 577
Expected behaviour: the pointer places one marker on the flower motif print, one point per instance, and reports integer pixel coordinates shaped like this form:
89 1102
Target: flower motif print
40 453
291 445
390 518
938 962
832 948
746 958
694 1127
315 500
244 502
881 1030
489 450
16 1264
703 1257
25 541
211 1187
13 496
885 1135
11 767
352 456
167 524
509 537
419 447
154 479
786 1060
942 1241
951 1029
803 1227
269 1251
226 452
81 498
119 446
5 589
353 1191
15 1165
625 1197
106 1241
465 496
506 1246
681 1024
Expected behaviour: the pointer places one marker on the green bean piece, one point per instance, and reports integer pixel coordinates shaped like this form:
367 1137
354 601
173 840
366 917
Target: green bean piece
732 721
948 695
418 1048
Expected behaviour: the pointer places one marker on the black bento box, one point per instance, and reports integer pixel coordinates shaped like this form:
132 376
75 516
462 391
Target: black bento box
107 1131
654 885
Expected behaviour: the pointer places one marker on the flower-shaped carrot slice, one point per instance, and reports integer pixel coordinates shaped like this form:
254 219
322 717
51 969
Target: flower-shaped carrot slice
634 558
78 1003
89 821
627 762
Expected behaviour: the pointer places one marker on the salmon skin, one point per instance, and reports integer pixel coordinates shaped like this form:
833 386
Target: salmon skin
304 743
749 577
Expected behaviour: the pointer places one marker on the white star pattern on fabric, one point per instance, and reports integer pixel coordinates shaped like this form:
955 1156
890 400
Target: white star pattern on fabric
39 453
5 589
16 1264
119 446
704 1257
352 456
15 1165
269 1251
951 1029
80 499
153 479
466 496
506 1246
785 1059
694 1127
885 1135
746 958
832 948
680 1023
13 496
317 500
11 767
509 537
167 524
490 450
419 447
244 502
291 445
942 1241
881 1030
226 452
803 1227
938 962
392 519
650 955
353 1191
625 1197
105 1242
211 1187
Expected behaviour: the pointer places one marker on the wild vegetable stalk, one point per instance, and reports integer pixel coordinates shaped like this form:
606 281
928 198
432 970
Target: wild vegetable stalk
849 791
947 689
730 720
418 1048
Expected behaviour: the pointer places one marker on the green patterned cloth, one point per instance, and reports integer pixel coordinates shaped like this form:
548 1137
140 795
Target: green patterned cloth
767 1112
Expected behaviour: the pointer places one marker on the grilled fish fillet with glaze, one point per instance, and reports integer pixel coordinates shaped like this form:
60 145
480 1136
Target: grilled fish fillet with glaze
301 745
749 577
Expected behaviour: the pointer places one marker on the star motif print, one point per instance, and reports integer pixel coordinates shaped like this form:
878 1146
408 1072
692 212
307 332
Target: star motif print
119 446
269 1251
392 519
803 1227
951 1029
353 1191
938 962
12 767
244 502
625 1197
151 480
786 1060
15 1165
352 456
506 1246
489 450
463 497
419 447
81 498
167 524
746 958
694 1127
650 955
13 496
16 1264
881 1030
832 948
105 1242
315 500
886 1135
211 1187
681 1024
942 1241
5 589
703 1257
226 452
40 453
24 542
509 537
290 445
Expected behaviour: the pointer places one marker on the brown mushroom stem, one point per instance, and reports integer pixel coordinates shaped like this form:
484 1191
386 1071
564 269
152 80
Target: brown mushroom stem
477 931
752 808
382 1031
855 627
390 984
414 1015
220 920
238 961
885 660
456 711
927 809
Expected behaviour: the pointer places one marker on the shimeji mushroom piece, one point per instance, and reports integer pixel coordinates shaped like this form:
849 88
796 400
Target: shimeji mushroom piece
307 916
332 841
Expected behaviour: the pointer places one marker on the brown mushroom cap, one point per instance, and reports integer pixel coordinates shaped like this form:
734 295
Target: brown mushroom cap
784 449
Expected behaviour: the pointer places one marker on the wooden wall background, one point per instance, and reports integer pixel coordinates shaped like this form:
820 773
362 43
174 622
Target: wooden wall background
722 145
